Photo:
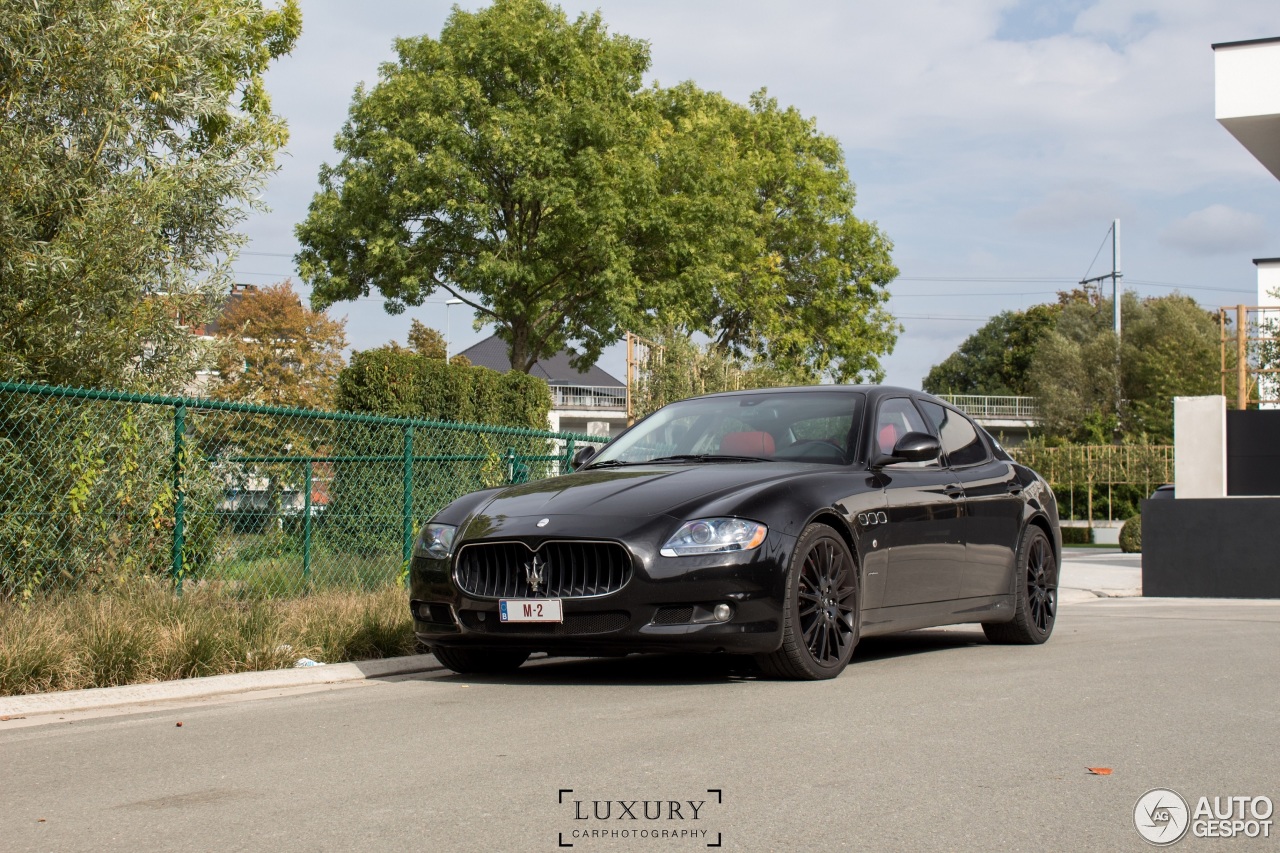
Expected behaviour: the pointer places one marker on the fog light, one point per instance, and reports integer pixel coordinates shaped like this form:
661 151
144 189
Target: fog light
722 613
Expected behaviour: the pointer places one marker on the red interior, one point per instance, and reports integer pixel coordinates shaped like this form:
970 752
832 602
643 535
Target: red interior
747 444
888 438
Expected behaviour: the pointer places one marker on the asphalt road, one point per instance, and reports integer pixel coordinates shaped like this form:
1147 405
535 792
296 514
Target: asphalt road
932 740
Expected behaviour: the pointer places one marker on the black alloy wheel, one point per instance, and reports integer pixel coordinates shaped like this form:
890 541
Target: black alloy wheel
1035 594
821 620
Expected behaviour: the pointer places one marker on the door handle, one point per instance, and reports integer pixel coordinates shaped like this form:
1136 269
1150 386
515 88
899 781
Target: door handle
1015 488
955 490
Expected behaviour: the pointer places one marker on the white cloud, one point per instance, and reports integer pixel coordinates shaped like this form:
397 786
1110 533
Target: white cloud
1074 207
1216 230
958 119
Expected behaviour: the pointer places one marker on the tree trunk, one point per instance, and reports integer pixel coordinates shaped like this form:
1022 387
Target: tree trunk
521 359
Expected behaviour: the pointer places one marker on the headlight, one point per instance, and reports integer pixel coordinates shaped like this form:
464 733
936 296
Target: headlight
436 541
714 536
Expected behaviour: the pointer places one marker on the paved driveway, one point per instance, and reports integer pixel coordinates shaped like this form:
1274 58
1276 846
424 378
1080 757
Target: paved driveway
932 740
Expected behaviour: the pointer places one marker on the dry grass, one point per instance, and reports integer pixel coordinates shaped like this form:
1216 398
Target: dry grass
147 633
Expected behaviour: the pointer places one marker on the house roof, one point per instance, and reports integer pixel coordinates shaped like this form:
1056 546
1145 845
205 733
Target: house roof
492 353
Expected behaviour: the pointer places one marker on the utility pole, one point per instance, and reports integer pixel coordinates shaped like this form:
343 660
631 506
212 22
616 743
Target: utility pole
1115 275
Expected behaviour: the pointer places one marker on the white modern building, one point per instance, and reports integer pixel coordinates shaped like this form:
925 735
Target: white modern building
1247 104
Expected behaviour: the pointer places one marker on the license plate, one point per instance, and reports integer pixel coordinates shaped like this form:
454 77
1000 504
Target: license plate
531 610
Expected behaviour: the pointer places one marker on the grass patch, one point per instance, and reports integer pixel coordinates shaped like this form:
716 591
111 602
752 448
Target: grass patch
147 633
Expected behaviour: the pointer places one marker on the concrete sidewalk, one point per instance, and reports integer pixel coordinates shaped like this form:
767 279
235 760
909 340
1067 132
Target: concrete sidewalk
1091 573
189 689
1087 575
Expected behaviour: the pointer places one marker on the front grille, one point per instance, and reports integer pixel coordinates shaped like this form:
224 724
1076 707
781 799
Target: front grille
574 623
567 569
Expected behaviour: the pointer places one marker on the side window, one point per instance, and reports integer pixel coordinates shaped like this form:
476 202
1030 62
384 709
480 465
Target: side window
897 417
960 441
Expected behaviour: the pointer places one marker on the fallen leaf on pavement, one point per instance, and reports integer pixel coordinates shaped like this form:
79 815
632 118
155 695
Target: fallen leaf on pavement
1099 771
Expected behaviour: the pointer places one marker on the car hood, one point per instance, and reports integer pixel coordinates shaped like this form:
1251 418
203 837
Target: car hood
640 491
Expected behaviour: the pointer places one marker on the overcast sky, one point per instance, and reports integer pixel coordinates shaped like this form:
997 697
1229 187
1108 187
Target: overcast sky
993 141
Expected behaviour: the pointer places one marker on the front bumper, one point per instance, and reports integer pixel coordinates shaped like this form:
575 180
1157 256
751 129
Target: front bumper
665 606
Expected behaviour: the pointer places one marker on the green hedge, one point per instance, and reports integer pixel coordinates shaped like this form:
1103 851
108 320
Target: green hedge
1077 536
1131 536
366 498
405 384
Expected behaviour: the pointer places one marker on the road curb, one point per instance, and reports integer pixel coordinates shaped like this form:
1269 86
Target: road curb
214 685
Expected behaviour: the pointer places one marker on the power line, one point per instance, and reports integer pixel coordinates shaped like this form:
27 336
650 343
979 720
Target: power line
1099 252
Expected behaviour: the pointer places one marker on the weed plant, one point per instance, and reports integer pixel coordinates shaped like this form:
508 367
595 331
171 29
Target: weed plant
145 632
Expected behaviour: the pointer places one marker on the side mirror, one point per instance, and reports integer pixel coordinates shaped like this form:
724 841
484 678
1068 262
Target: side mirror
582 456
917 447
912 447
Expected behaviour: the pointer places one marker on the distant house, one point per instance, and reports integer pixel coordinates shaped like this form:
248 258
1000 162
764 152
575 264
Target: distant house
592 401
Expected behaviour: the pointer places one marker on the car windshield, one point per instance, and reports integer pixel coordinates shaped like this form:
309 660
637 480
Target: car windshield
811 426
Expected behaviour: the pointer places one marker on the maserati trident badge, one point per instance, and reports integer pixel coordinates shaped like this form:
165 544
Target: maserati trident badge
533 573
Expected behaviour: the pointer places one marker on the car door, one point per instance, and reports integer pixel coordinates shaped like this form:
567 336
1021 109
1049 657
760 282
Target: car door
925 506
993 504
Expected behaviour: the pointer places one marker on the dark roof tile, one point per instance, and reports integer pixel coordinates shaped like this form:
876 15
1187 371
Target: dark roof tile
492 353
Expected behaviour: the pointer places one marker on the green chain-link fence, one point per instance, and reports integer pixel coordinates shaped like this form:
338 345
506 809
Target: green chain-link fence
100 487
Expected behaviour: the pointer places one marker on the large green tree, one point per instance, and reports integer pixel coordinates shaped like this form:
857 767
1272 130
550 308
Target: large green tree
1169 347
134 134
518 163
996 359
754 242
498 163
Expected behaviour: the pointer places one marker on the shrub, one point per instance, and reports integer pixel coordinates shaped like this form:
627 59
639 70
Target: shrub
87 498
1131 536
1077 536
365 512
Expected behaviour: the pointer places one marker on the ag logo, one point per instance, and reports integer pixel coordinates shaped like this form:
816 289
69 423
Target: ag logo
867 519
1161 816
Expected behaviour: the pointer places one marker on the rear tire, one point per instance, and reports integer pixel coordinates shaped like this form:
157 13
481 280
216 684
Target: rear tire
466 661
821 619
1035 595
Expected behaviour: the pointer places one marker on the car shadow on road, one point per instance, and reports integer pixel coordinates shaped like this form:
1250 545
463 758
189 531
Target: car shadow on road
660 669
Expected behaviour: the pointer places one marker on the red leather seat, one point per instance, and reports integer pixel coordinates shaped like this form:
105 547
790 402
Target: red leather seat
888 438
747 444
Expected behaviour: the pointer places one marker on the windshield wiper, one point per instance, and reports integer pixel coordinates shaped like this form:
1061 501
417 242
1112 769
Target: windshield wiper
708 457
610 463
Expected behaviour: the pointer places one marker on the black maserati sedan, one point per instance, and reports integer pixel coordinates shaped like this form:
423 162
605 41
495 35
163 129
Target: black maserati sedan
781 523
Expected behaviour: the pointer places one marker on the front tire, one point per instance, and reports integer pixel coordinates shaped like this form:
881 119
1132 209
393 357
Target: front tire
821 615
467 661
1035 596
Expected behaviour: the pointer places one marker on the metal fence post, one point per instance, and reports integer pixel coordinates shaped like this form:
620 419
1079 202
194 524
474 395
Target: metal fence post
179 489
568 455
306 527
1242 358
408 492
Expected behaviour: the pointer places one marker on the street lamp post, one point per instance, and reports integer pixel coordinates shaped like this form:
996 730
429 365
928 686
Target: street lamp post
448 305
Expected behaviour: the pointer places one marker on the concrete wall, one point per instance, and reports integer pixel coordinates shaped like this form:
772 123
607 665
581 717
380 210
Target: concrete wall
1200 446
1247 97
1211 548
1246 79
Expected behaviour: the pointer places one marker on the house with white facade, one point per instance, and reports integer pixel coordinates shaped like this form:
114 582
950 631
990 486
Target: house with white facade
590 401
